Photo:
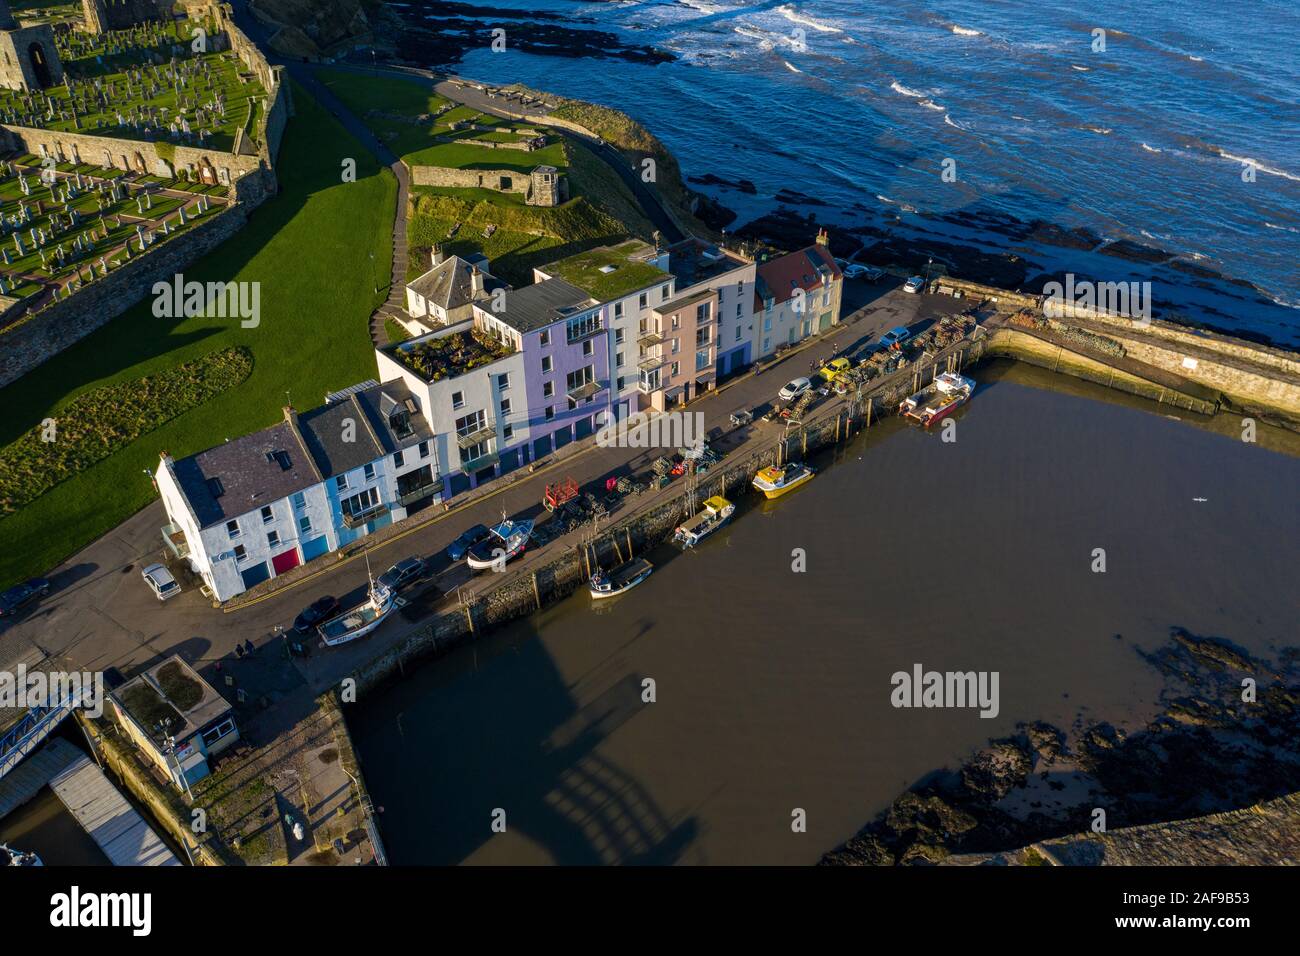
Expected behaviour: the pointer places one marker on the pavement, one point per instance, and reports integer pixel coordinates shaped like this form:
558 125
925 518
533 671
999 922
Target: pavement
101 615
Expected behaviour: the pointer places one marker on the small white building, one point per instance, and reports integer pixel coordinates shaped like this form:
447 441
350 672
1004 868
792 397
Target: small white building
445 295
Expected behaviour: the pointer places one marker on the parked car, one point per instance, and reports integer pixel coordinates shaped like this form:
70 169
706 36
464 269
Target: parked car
457 550
794 389
315 613
23 595
856 270
834 369
914 284
402 573
161 582
895 336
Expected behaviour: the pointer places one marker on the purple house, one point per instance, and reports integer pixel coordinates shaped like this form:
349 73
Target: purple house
563 336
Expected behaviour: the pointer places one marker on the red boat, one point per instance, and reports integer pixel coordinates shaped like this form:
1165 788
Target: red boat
940 398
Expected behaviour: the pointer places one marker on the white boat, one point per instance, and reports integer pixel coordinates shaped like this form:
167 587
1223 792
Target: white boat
505 542
717 512
11 857
941 397
608 584
361 620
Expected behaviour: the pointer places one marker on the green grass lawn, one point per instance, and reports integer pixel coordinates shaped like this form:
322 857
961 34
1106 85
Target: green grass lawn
310 248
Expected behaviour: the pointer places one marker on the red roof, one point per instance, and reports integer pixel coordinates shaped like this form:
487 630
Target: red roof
805 269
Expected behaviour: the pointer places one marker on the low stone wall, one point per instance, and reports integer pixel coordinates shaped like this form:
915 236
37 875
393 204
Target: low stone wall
1003 298
500 180
27 343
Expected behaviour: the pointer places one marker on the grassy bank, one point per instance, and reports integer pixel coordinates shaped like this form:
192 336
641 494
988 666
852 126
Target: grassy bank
319 250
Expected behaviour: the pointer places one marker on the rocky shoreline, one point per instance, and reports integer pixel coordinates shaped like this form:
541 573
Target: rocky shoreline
1207 751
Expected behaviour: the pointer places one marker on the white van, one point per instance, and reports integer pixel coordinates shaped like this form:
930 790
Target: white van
161 582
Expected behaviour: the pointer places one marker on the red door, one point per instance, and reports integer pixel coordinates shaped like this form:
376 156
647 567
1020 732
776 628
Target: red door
285 560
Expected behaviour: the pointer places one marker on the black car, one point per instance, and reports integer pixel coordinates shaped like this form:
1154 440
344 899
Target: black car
319 611
402 573
460 547
19 597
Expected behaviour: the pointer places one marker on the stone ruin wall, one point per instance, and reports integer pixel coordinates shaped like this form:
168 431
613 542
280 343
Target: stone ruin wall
469 178
100 16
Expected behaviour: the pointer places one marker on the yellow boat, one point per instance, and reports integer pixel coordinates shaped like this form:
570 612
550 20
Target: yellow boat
774 482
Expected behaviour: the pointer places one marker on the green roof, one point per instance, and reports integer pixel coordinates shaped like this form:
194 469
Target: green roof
621 276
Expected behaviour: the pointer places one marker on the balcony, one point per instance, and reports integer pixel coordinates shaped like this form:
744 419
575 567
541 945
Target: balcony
420 491
649 339
483 433
585 391
479 463
364 517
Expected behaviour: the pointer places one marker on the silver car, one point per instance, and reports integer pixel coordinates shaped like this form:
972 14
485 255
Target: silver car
794 389
161 582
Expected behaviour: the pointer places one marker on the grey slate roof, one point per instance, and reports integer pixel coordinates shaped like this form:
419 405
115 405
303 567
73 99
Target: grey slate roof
450 285
323 431
377 403
248 473
538 305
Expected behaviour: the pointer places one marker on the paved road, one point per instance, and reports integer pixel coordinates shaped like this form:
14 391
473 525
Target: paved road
101 614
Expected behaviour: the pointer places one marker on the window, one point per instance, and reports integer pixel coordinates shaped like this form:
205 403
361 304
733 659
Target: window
548 389
737 333
550 412
618 360
740 288
644 300
702 360
240 553
457 399
547 365
370 472
232 529
300 501
664 292
272 539
587 348
359 504
508 432
703 336
583 376
677 346
622 379
398 460
677 321
704 312
473 452
675 370
304 525
341 482
618 336
737 310
213 734
572 404
267 515
583 326
545 337
503 381
424 449
505 407
767 324
766 344
618 309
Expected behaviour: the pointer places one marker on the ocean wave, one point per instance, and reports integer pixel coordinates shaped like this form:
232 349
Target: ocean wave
1081 69
1273 225
1151 149
1271 170
821 26
765 41
791 67
905 207
900 88
1103 130
947 118
964 31
931 105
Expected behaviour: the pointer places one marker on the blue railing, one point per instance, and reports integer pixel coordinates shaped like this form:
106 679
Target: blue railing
33 727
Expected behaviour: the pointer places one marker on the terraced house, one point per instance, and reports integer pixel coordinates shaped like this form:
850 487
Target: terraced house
795 296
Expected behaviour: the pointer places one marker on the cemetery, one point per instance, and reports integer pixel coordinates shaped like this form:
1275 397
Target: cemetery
145 83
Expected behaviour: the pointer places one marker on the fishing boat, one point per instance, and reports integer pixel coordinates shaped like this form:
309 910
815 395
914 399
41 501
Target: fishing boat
941 397
717 512
360 620
775 482
608 584
11 857
505 542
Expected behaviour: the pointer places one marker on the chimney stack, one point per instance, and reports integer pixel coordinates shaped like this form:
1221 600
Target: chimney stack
476 280
822 238
439 255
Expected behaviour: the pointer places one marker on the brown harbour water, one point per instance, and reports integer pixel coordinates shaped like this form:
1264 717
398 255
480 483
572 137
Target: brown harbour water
773 687
44 826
